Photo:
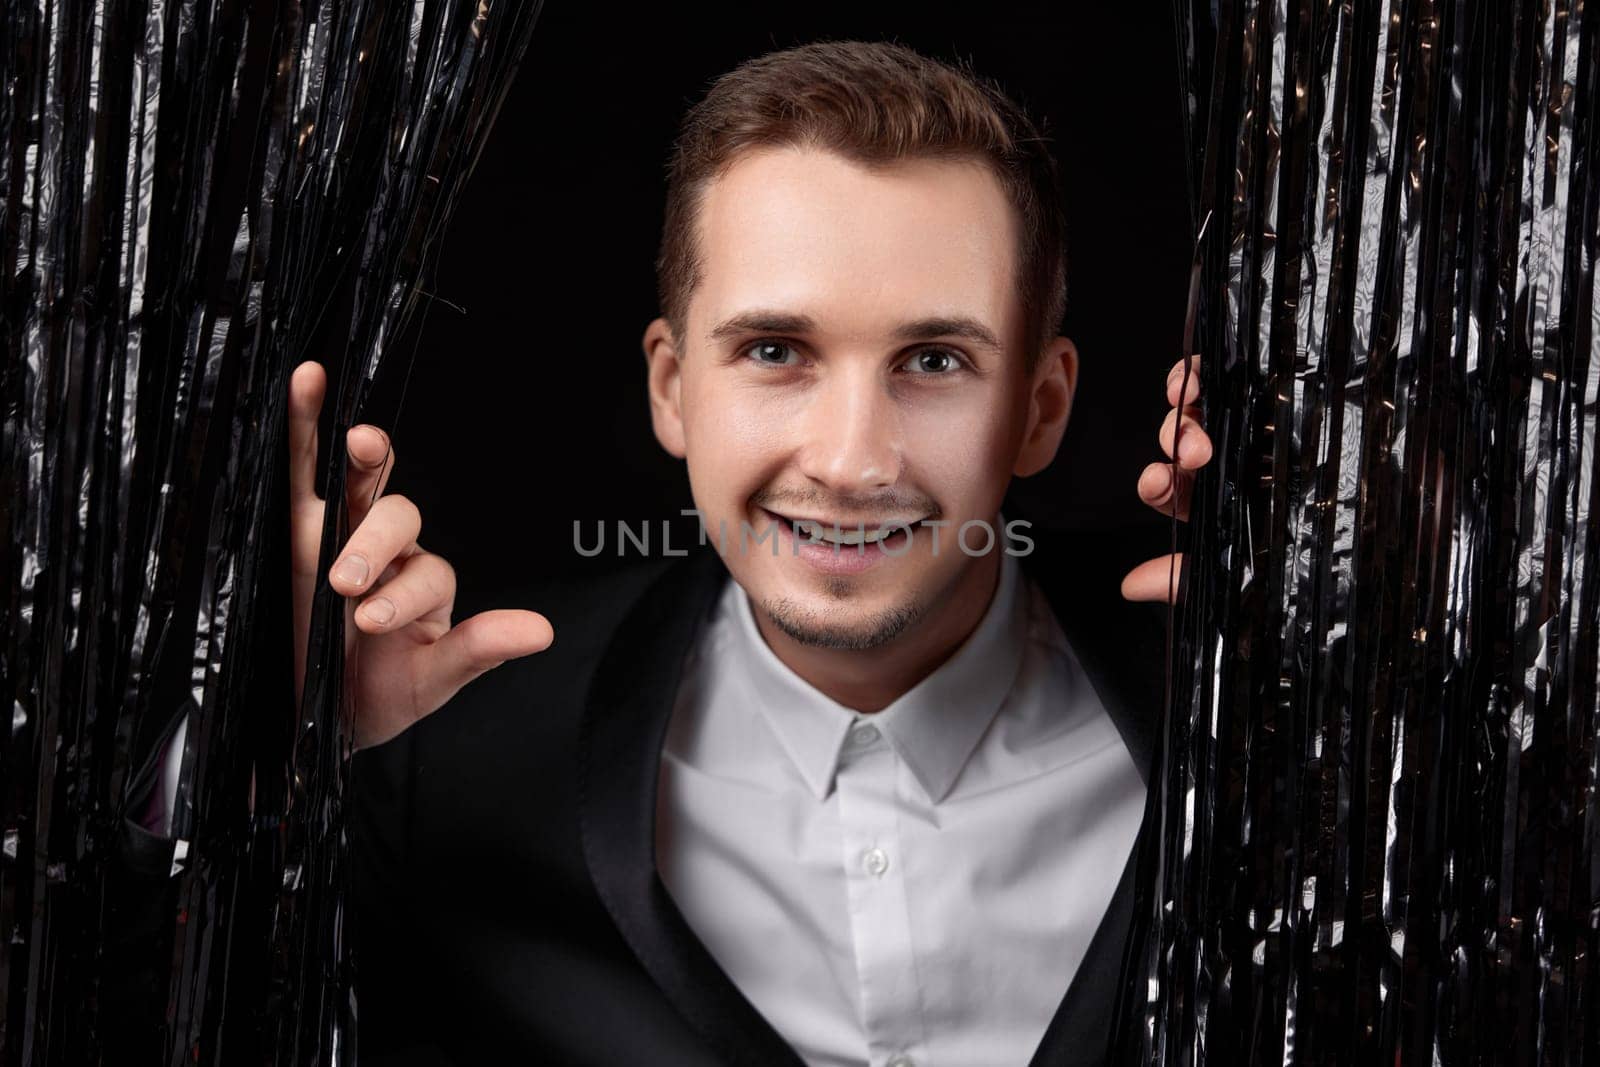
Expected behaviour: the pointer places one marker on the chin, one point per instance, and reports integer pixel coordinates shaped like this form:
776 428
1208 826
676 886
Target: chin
823 626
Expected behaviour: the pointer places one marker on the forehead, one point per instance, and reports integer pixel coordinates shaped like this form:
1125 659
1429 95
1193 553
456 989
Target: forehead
857 248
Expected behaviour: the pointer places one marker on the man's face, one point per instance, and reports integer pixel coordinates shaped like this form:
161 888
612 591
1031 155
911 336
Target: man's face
852 355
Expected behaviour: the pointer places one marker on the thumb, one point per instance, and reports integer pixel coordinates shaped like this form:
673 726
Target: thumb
1155 579
481 643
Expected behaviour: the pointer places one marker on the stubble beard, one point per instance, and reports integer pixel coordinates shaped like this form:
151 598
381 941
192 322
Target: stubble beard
811 627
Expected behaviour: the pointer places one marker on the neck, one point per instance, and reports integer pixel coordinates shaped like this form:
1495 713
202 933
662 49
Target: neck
870 680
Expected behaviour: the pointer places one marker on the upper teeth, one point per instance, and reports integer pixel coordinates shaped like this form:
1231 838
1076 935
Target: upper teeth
839 536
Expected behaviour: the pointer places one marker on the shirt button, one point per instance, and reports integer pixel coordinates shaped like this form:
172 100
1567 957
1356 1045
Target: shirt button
900 1061
876 861
863 734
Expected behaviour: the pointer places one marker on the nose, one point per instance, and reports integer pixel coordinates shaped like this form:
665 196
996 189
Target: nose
852 436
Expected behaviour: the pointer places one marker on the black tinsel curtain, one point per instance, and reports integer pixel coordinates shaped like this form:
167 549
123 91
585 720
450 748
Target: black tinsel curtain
1375 813
189 192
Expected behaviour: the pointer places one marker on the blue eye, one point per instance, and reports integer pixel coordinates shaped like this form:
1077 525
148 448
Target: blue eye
773 353
933 361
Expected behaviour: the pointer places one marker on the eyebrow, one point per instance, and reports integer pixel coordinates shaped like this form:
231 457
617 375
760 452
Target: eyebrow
762 322
928 329
961 326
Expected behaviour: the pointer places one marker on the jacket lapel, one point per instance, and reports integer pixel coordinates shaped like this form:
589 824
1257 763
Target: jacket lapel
619 752
1122 648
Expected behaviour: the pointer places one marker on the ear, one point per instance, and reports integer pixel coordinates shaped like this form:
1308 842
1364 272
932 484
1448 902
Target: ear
1055 383
663 370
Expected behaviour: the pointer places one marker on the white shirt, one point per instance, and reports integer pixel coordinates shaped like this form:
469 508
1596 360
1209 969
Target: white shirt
910 888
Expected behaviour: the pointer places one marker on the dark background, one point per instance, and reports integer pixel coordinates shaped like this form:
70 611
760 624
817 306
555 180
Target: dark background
525 409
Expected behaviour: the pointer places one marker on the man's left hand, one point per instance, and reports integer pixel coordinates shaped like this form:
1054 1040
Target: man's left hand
1169 492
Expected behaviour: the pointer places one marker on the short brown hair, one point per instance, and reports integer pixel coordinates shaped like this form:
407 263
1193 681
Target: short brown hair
873 102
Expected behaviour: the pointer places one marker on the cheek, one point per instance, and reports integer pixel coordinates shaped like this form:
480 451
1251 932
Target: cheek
733 439
962 451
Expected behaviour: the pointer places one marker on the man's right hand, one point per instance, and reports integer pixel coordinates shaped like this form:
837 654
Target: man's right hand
404 657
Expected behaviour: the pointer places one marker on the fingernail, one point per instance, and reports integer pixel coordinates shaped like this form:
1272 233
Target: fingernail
379 609
352 570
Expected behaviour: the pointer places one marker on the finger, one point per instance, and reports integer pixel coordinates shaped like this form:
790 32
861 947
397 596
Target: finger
1191 391
388 532
1194 447
1168 495
481 643
371 461
424 585
307 386
1154 580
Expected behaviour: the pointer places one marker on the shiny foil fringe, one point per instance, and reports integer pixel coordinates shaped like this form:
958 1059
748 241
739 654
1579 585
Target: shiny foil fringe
1375 811
185 189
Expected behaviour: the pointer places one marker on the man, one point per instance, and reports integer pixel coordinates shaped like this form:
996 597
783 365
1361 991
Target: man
875 799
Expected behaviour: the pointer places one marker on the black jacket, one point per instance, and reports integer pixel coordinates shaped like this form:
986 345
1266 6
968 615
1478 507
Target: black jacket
506 902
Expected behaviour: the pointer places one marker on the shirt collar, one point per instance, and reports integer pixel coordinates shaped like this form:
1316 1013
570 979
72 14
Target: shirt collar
934 726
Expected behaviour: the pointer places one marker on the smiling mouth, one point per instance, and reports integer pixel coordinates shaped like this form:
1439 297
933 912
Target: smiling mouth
847 535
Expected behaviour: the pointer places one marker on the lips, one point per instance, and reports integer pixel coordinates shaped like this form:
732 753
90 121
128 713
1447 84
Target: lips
837 533
845 533
836 559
